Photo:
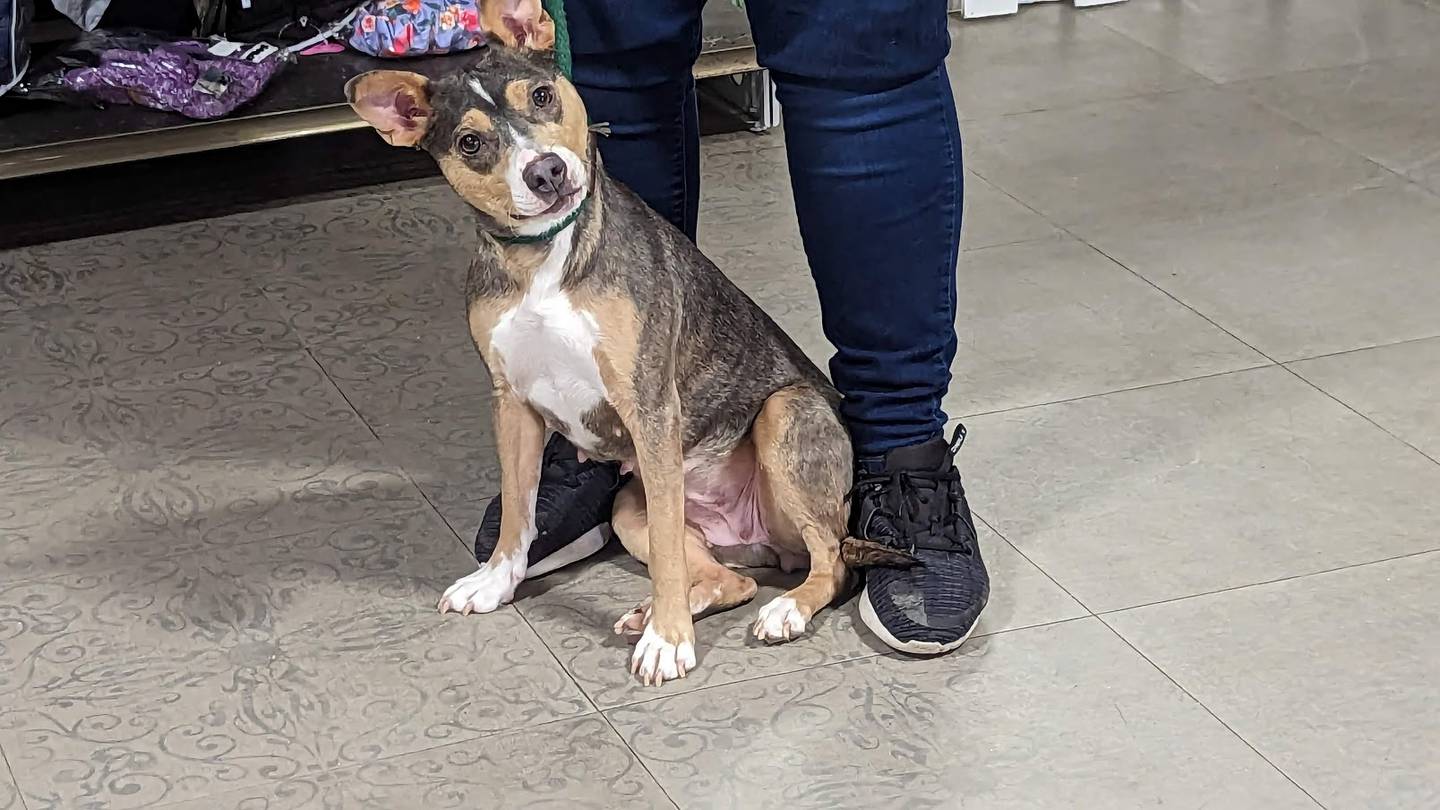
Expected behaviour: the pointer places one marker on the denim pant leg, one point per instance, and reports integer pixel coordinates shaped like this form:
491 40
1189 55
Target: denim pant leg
633 68
874 151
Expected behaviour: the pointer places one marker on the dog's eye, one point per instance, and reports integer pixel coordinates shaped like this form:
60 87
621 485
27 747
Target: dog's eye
469 143
542 97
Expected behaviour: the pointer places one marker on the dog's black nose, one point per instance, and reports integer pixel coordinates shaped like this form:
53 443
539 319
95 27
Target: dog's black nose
545 174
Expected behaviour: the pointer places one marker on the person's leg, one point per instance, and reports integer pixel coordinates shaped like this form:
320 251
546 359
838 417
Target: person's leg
874 151
633 64
633 67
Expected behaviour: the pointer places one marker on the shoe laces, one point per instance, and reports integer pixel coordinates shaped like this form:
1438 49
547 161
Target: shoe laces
926 507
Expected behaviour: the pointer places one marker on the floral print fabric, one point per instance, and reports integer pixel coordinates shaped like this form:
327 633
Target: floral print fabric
395 28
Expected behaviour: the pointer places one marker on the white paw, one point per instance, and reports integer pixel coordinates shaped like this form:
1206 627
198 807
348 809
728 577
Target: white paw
634 621
485 590
656 660
781 620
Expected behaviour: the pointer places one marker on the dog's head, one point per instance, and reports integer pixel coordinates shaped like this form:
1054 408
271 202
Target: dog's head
509 131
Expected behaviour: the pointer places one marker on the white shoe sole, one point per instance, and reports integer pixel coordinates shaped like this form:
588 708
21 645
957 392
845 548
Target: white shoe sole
587 544
867 615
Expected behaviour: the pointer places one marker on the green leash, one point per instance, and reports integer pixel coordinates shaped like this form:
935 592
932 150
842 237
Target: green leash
556 10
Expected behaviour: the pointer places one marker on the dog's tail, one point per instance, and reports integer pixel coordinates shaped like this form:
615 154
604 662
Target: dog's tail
857 553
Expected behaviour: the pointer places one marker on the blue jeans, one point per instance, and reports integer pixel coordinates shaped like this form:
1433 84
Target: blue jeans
874 151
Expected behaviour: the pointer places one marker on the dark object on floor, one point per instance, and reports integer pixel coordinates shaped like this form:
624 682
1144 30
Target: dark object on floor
913 500
174 17
263 19
572 506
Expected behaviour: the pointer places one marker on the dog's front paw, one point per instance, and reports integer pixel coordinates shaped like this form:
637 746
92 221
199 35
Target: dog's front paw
656 660
485 590
780 620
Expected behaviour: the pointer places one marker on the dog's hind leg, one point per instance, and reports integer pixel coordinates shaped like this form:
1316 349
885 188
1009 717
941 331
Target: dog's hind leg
806 469
713 587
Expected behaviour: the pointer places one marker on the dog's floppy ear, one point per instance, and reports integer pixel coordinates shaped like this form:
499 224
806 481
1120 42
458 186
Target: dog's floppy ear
395 102
518 23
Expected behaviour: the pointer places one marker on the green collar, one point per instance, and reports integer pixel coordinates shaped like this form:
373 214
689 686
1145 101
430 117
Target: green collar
548 233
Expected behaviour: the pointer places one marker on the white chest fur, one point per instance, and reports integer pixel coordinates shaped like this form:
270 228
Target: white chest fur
546 348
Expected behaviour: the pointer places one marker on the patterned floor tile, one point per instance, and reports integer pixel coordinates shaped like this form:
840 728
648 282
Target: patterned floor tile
147 467
270 660
571 764
1060 716
573 612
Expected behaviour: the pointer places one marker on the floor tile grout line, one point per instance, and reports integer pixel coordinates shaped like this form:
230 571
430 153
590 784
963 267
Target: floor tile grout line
1273 363
345 398
1232 82
1423 188
561 664
1036 565
1322 136
1089 16
1347 406
1099 18
1358 349
639 760
1127 268
1056 234
579 687
1013 243
1381 60
1067 232
1263 583
871 656
1167 676
1145 387
5 761
1063 107
424 496
759 677
1384 170
1266 355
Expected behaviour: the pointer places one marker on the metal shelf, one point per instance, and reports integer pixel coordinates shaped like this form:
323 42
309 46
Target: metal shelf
39 138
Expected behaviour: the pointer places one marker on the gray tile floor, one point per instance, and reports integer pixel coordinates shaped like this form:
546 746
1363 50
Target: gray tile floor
1200 319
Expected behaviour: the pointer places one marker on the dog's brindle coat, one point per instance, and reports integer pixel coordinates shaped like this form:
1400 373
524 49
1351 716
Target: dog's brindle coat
618 333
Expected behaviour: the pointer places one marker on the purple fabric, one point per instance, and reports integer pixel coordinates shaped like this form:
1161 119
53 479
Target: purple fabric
181 77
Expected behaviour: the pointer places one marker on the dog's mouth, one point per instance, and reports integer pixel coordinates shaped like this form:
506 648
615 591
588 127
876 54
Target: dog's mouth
562 202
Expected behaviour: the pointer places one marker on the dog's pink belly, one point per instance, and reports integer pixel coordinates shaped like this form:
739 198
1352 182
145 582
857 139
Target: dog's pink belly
723 503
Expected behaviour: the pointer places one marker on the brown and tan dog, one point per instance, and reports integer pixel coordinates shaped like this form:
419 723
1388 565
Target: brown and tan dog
600 320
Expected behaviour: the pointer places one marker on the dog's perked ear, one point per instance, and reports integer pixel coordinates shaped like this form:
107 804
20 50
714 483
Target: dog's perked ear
395 102
518 23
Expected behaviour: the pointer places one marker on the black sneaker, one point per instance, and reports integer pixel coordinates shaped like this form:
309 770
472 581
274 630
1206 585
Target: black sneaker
912 501
572 510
